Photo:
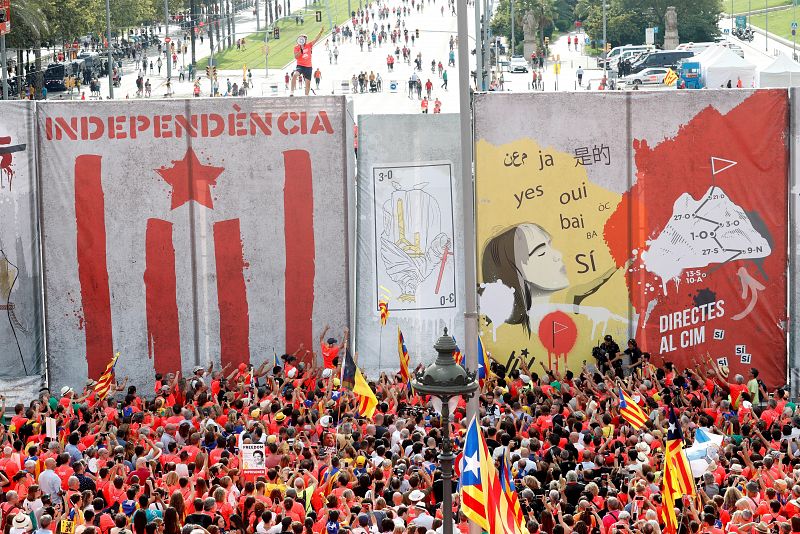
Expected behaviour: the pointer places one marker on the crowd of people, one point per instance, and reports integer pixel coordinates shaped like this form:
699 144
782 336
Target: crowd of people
168 461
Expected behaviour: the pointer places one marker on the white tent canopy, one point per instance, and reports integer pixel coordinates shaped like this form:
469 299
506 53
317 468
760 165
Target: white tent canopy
783 72
724 66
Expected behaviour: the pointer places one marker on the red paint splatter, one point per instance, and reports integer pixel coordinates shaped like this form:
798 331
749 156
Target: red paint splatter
754 134
234 313
163 331
298 212
557 332
92 267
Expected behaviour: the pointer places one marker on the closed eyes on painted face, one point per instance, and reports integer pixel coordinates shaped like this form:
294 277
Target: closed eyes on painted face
538 262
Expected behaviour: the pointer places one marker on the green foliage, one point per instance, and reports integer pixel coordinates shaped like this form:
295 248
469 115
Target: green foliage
551 15
626 20
281 51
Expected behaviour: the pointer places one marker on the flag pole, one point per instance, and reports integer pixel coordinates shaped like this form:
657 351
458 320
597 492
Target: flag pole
380 344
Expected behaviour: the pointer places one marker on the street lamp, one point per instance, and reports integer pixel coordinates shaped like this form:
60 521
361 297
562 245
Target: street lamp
445 380
605 52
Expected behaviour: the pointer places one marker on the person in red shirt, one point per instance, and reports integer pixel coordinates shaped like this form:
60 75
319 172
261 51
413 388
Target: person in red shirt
302 54
329 348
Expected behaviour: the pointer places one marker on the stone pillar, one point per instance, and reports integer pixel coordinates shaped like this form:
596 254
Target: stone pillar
671 40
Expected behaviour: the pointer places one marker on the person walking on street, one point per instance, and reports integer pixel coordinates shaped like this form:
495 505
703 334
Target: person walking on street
444 80
317 77
335 54
579 73
424 105
428 87
160 63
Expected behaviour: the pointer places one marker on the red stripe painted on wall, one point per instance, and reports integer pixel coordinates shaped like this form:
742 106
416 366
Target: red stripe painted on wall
298 214
163 327
234 313
92 268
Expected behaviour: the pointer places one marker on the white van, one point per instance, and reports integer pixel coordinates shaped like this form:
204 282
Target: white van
617 51
631 54
697 48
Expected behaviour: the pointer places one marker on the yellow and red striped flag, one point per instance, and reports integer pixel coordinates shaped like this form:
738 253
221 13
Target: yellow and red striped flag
367 401
671 77
677 456
383 307
106 379
631 411
402 353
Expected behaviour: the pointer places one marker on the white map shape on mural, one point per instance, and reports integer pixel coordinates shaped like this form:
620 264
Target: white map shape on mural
701 232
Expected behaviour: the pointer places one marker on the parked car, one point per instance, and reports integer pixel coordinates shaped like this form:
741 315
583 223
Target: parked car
651 76
518 64
616 52
668 59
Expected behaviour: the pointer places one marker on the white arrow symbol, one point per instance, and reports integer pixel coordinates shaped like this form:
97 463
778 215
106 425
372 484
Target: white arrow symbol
725 164
750 286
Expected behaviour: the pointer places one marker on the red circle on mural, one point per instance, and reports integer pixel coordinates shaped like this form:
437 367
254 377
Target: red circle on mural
557 332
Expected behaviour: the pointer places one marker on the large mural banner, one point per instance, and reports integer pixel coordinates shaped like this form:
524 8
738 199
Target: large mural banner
186 232
409 236
22 354
670 232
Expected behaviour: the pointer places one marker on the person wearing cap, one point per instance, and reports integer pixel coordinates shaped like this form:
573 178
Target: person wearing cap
330 349
418 514
198 376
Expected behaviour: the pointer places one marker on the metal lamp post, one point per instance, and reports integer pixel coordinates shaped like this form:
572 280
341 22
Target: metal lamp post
766 25
445 380
513 41
108 51
605 52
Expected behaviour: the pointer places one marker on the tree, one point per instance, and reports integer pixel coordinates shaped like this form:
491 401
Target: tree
550 15
30 30
626 20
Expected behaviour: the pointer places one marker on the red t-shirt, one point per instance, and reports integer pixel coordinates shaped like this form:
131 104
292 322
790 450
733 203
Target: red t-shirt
328 353
303 54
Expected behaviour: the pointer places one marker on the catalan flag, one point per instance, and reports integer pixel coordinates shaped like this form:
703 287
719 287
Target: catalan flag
402 353
481 363
670 78
670 490
458 356
677 455
631 411
383 307
367 401
105 381
510 509
473 483
483 498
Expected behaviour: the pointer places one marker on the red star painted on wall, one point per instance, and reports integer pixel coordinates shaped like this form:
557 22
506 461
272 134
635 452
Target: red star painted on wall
190 180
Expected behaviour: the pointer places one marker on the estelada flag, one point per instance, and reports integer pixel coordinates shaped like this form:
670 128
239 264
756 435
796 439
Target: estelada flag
631 411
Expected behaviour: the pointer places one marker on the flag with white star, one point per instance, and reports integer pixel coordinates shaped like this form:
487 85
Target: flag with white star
473 494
